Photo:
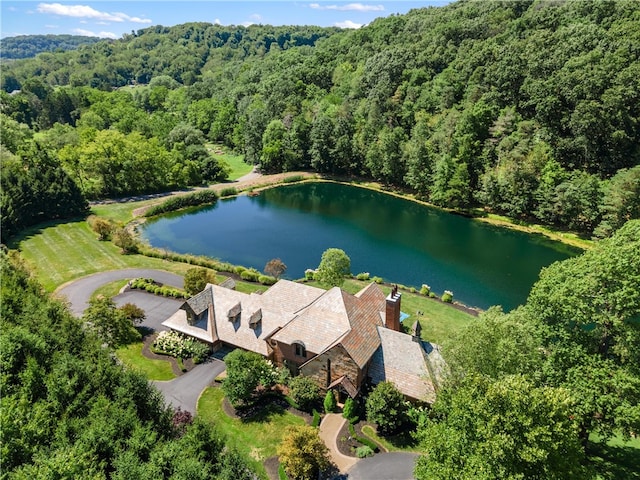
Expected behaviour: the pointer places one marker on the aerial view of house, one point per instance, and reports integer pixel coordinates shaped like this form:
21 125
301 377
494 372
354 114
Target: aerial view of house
340 340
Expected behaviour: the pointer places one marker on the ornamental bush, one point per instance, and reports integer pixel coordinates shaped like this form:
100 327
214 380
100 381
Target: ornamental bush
330 403
178 345
447 296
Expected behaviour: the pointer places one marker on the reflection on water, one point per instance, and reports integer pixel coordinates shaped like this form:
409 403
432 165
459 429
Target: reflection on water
396 239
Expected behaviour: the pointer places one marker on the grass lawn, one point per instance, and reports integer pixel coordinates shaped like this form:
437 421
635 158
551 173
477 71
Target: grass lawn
396 443
236 162
59 253
438 320
109 290
131 355
119 212
258 437
615 459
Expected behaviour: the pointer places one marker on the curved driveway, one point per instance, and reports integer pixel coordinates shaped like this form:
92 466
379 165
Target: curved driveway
384 466
79 291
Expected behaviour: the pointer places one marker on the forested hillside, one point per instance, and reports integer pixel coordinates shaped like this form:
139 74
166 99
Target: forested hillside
70 411
526 108
26 46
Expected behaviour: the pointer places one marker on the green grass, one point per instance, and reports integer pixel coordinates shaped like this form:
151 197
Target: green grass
439 321
615 459
396 443
258 437
119 212
238 167
109 290
131 355
67 251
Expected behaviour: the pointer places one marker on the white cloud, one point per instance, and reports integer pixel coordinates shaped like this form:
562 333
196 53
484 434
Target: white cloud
246 24
89 33
217 21
85 11
347 24
256 17
51 26
358 7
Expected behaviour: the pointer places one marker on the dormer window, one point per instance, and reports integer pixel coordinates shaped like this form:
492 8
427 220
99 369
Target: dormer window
301 350
234 313
255 319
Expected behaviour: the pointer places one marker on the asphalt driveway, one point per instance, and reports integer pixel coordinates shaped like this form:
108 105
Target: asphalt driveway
384 466
79 292
156 308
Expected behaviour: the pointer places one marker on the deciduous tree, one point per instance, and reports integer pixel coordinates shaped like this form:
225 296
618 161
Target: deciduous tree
303 453
334 266
387 408
275 267
196 279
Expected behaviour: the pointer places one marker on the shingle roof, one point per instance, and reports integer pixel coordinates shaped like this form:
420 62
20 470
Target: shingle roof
199 302
277 306
408 364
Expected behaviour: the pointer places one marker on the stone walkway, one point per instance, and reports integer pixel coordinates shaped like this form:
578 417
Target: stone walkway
329 429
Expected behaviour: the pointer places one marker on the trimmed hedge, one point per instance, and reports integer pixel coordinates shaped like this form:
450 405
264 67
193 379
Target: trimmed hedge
365 441
201 197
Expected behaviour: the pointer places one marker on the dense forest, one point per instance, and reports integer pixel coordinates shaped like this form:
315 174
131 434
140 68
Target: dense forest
69 410
527 108
26 46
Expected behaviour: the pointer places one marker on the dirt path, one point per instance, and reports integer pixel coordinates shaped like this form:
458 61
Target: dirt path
251 180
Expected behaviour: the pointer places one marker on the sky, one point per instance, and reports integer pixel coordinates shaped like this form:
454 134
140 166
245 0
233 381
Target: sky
111 19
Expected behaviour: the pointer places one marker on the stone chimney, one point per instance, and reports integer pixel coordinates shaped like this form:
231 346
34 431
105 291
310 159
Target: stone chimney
392 311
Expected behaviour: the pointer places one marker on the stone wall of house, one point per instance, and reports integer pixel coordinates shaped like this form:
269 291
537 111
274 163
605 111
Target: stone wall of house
341 364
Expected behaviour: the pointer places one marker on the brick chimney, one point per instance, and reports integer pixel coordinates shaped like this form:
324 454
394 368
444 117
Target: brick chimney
392 311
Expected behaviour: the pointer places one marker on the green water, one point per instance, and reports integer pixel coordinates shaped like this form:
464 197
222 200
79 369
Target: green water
393 238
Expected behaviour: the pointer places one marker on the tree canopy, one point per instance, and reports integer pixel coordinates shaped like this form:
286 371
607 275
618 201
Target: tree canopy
334 266
528 109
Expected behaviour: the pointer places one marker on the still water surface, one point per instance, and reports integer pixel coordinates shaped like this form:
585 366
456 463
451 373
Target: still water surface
390 237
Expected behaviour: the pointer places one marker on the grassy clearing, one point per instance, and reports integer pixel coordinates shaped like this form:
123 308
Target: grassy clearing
439 321
60 253
120 212
615 459
257 437
131 355
238 167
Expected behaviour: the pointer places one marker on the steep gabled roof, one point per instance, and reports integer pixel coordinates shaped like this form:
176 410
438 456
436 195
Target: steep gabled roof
199 302
413 366
321 323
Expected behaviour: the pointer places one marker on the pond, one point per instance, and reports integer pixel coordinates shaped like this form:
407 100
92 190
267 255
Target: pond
394 238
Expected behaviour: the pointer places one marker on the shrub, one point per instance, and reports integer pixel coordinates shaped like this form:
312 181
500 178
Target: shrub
350 409
330 403
249 276
239 270
386 407
425 289
412 290
200 197
447 296
432 295
363 276
293 178
377 280
103 227
316 418
305 392
365 441
364 451
228 192
266 280
180 346
309 273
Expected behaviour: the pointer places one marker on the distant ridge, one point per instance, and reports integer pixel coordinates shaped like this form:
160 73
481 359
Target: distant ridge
28 46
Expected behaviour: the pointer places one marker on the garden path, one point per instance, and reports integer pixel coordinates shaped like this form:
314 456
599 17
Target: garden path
329 429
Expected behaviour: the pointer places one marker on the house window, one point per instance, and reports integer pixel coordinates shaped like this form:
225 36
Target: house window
301 351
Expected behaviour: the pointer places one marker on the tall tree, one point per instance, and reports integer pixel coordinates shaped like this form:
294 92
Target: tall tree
303 453
334 266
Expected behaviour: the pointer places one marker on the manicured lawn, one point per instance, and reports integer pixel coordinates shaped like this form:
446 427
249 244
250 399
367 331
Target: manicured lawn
119 212
67 251
110 290
258 437
131 355
438 320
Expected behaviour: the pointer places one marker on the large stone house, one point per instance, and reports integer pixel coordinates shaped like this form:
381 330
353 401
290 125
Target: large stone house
338 339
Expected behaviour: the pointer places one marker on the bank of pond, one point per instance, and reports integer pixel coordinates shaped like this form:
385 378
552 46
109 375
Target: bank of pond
390 237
